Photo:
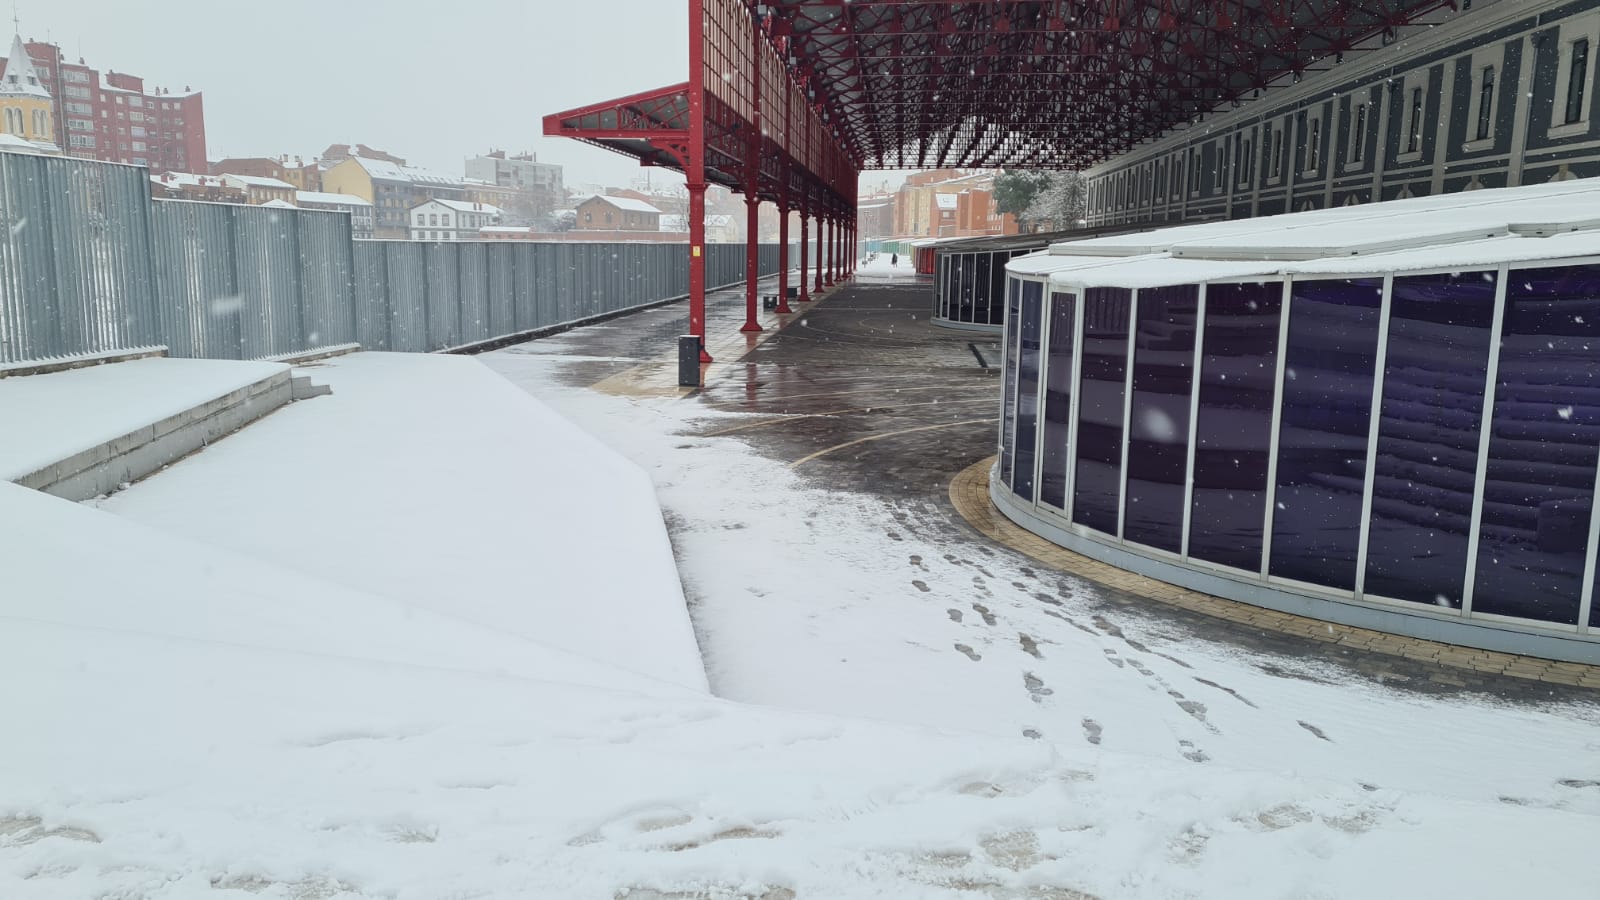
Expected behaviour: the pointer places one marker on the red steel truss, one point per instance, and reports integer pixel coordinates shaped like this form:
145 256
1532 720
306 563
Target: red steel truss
1053 83
742 121
788 100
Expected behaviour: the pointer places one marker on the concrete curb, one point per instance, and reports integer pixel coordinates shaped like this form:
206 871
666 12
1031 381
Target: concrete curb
106 468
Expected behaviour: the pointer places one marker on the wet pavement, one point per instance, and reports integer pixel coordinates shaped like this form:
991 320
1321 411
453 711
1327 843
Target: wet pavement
859 391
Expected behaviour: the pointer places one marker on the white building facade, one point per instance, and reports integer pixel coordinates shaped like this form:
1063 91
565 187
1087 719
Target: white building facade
451 220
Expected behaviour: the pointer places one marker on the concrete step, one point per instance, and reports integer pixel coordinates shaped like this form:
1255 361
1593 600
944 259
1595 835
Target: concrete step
111 463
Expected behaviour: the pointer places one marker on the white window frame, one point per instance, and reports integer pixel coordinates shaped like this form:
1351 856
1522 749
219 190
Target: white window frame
1355 151
1407 85
1576 29
1487 58
1311 161
1273 139
1244 167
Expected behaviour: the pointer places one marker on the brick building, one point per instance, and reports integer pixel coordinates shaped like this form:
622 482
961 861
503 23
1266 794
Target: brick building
949 203
301 175
115 119
617 214
191 186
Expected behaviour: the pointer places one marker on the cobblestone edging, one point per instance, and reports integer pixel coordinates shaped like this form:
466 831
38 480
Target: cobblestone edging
969 493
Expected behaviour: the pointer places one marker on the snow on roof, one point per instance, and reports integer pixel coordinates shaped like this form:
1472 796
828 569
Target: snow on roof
257 181
1469 231
465 206
875 205
10 143
388 171
627 204
188 179
278 204
20 79
945 201
304 197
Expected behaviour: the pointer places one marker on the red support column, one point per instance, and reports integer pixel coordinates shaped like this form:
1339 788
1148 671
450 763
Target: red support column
752 192
821 230
805 236
838 250
783 252
695 172
827 267
752 261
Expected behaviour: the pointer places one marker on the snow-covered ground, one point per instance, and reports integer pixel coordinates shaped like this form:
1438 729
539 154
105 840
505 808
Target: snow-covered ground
431 481
374 647
47 418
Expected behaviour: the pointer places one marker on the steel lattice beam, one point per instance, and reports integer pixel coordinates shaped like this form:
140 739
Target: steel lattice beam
1051 83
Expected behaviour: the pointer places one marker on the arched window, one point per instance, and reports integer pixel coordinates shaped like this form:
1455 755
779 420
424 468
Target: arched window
14 121
41 127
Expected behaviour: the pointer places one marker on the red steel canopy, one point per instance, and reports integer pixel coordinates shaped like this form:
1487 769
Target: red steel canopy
1052 83
788 100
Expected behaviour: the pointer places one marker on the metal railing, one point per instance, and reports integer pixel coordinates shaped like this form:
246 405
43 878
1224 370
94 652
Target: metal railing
89 263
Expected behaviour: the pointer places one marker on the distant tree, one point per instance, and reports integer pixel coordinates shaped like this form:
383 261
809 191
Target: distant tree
1015 191
1060 205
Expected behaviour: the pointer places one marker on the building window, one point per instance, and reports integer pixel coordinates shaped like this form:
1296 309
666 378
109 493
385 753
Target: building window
1247 162
1577 80
1485 102
1414 135
1276 152
433 219
1220 173
14 121
41 124
77 78
1358 134
77 93
1313 144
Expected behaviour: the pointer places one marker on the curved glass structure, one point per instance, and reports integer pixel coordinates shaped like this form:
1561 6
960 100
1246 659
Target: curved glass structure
1401 434
969 275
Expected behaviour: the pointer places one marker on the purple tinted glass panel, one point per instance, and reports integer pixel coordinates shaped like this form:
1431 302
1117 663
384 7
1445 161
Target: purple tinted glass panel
990 311
1427 459
1539 483
1322 442
1158 426
1028 388
980 286
1233 434
1057 403
1008 417
1097 481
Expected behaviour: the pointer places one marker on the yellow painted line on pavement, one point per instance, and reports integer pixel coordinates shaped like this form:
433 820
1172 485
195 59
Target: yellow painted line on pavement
888 434
787 417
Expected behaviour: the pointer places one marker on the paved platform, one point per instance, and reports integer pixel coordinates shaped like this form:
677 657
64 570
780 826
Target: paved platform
861 391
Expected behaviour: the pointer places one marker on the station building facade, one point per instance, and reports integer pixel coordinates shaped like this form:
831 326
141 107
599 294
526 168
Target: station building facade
1503 94
1386 415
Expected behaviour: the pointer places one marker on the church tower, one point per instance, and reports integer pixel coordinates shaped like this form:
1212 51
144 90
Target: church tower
25 108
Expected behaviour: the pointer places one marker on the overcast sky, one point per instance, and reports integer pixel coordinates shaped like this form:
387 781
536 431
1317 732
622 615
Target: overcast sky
433 82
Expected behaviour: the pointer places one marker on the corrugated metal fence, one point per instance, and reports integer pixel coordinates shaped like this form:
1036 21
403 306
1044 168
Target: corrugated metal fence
90 263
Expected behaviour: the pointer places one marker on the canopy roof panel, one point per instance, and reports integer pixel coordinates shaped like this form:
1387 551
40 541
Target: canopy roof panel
1052 83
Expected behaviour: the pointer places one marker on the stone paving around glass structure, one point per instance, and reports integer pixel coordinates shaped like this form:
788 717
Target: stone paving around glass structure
809 491
861 390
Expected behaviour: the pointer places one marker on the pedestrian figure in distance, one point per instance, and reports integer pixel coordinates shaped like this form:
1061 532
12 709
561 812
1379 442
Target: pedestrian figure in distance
894 259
